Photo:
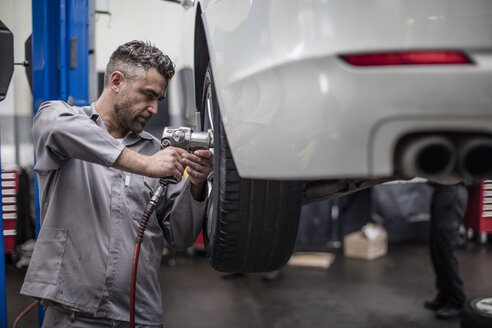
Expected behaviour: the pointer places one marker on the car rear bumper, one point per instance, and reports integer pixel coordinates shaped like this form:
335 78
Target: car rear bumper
292 109
321 118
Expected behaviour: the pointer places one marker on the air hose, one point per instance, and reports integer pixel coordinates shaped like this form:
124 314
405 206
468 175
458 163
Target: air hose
29 308
156 195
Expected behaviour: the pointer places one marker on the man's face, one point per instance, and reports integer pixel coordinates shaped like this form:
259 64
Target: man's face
138 101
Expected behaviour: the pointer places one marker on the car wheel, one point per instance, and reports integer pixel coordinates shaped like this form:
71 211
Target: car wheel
251 225
477 313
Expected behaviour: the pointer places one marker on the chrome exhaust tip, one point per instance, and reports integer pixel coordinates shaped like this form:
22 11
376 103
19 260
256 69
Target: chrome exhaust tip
428 156
475 159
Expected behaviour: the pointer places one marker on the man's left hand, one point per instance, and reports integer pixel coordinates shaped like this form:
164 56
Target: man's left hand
199 164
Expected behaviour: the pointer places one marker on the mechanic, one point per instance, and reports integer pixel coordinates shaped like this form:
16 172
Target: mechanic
448 206
95 166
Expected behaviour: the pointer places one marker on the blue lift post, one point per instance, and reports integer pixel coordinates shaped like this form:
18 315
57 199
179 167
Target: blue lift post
60 59
60 51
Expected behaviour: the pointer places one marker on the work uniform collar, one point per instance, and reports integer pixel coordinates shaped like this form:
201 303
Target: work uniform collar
132 137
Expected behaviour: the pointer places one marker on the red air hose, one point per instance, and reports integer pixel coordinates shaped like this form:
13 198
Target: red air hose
29 308
161 190
141 231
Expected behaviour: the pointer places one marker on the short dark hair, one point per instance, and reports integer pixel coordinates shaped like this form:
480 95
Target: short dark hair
130 58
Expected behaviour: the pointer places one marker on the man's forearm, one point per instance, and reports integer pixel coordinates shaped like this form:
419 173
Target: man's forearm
164 163
133 162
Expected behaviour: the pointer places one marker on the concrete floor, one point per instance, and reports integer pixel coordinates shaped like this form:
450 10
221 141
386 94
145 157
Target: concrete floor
385 292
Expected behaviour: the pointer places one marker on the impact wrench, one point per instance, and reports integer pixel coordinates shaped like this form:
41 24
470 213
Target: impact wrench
181 137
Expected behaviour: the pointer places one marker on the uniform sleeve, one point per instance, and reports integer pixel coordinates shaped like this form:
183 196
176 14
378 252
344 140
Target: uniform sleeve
61 132
183 222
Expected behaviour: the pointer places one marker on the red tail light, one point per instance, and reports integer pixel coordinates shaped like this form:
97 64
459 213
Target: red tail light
407 58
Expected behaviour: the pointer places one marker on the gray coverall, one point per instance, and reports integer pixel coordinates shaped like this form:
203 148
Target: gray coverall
90 213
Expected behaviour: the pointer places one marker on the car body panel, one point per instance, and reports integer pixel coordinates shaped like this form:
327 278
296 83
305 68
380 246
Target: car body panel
292 109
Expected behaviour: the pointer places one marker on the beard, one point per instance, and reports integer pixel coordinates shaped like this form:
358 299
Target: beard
126 117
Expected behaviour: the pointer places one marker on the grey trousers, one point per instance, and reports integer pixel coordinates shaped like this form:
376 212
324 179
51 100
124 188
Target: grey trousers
58 317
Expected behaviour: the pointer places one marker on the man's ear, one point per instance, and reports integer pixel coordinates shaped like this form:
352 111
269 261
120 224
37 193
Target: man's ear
116 81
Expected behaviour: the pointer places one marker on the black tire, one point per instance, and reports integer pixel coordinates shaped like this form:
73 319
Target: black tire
477 313
251 225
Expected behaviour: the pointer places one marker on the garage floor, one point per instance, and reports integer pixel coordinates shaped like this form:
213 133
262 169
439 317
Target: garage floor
385 292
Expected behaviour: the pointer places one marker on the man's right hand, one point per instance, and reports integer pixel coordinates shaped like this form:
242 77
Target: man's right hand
164 163
167 163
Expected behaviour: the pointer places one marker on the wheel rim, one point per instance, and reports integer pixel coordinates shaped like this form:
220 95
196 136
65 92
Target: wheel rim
485 305
209 107
208 123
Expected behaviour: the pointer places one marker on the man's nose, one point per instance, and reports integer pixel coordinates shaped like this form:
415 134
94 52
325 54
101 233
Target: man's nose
153 107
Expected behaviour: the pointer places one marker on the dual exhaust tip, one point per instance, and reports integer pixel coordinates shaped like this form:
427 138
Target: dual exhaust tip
445 158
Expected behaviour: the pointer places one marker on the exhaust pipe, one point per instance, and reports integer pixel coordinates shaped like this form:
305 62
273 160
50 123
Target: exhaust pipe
475 159
426 156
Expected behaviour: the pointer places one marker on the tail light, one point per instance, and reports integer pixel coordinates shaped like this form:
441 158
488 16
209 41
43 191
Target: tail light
408 58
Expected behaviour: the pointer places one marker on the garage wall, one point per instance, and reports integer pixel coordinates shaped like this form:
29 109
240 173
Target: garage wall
114 22
156 21
16 108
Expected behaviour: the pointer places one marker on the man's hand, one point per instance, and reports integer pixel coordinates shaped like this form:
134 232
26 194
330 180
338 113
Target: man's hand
199 164
165 163
170 161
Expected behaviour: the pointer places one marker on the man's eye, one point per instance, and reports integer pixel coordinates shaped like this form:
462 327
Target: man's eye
150 96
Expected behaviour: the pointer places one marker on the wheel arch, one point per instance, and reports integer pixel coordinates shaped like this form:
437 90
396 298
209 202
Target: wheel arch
201 56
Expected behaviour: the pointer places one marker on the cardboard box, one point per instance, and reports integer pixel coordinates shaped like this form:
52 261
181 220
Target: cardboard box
312 259
357 245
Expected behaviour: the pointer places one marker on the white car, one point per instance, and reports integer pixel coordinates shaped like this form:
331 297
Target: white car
312 99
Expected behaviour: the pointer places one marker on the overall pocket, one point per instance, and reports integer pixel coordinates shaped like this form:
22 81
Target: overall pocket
138 194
